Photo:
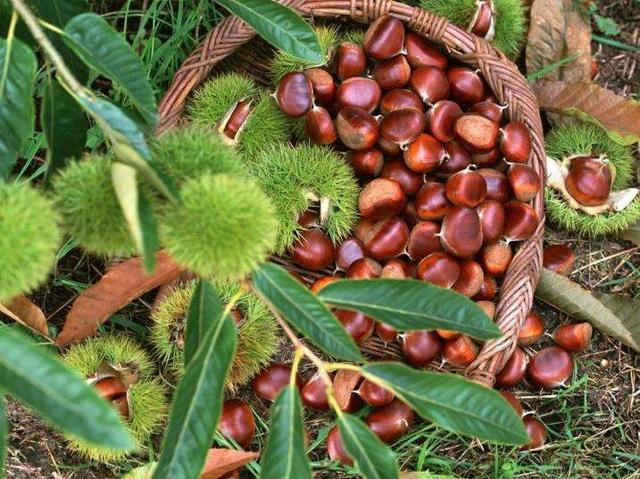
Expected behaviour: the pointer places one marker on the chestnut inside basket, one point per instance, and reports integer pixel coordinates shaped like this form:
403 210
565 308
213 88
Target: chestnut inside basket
502 76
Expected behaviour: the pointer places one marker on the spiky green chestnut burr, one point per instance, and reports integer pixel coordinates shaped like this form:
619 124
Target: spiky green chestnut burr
296 178
84 194
222 227
353 35
121 360
586 139
29 237
283 63
256 331
215 100
510 20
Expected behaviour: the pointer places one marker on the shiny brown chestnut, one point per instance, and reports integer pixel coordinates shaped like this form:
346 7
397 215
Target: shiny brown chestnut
320 283
424 154
490 109
381 198
397 170
336 449
524 181
373 394
466 85
487 307
403 126
351 61
431 201
488 290
345 384
447 335
270 381
314 394
476 132
421 53
441 119
531 330
513 402
357 128
313 250
573 337
460 352
536 431
550 367
110 388
482 22
470 278
589 186
388 148
410 215
359 92
294 94
423 240
386 238
457 159
386 333
497 184
419 348
350 250
121 404
322 83
466 188
392 73
319 126
513 371
400 99
495 258
559 258
492 218
439 268
391 422
237 422
384 38
308 219
521 221
487 159
396 269
237 119
364 268
367 163
515 142
430 83
361 228
461 232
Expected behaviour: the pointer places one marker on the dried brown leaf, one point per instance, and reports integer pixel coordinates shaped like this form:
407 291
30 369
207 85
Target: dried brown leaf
344 384
23 311
117 288
594 104
223 461
545 41
577 42
632 234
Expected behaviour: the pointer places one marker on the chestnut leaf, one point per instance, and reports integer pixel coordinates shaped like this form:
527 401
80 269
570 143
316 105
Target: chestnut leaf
408 304
451 402
205 304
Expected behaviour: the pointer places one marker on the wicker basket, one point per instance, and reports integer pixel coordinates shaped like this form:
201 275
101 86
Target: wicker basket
502 76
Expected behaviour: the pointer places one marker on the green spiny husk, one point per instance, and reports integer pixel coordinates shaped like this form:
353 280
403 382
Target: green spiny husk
222 227
29 237
289 174
257 334
354 35
582 138
510 23
84 194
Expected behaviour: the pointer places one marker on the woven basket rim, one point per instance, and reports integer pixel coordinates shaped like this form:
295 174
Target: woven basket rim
503 77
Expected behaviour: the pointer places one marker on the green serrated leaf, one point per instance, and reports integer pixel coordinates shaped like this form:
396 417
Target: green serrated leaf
304 311
411 305
17 113
285 456
106 51
280 26
452 402
42 382
64 124
205 304
372 457
197 403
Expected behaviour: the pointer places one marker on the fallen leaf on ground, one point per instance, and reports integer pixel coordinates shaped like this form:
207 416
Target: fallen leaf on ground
223 461
632 234
23 311
118 287
546 37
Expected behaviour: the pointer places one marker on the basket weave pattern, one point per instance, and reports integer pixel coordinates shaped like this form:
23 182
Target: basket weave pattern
502 76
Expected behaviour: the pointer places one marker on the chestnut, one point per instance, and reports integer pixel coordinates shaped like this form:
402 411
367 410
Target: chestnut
476 132
359 326
294 94
470 279
308 219
350 250
400 100
386 332
386 239
314 394
110 388
482 22
424 154
461 232
313 250
421 347
397 170
490 109
423 240
384 38
396 269
439 268
550 367
573 337
322 83
121 405
488 290
364 268
430 83
237 119
319 126
361 228
403 126
466 188
388 147
420 53
270 381
513 370
410 214
497 184
431 201
515 143
492 218
466 85
487 307
525 182
359 92
351 61
447 335
335 448
521 221
357 128
373 394
381 198
345 383
392 421
322 282
559 259
486 159
496 258
536 431
367 163
457 158
513 402
442 118
237 422
531 330
589 186
392 73
460 352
